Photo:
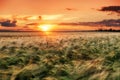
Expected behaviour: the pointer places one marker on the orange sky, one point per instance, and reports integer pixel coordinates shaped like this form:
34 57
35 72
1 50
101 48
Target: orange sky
59 10
83 10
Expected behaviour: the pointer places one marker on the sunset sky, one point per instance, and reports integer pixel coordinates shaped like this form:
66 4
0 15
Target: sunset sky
58 11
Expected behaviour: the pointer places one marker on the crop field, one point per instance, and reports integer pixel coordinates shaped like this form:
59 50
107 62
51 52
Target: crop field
59 56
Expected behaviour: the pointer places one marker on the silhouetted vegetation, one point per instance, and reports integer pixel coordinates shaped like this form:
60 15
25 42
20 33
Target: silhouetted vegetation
108 30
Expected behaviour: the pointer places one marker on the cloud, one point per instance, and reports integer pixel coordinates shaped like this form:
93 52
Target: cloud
32 24
115 9
110 22
26 18
107 23
8 23
70 9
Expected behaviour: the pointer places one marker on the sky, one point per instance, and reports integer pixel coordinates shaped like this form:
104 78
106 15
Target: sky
58 11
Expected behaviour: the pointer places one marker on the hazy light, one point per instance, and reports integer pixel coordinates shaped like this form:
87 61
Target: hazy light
33 18
46 27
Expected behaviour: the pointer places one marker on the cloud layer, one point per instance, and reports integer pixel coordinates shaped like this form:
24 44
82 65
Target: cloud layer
107 23
115 9
8 23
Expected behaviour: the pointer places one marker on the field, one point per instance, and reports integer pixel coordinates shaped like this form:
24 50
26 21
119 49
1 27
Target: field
59 56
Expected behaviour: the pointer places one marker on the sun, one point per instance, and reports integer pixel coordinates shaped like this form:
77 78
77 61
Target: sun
45 27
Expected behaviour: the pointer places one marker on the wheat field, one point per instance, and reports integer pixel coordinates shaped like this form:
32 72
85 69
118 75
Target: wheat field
59 56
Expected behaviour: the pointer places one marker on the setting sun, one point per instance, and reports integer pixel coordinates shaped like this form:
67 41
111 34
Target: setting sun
45 27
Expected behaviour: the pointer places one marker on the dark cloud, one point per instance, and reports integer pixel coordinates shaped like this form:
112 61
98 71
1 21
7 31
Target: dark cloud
115 9
70 9
108 23
8 23
111 22
32 24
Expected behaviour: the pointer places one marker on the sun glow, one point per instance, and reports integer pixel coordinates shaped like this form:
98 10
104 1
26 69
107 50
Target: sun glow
46 27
